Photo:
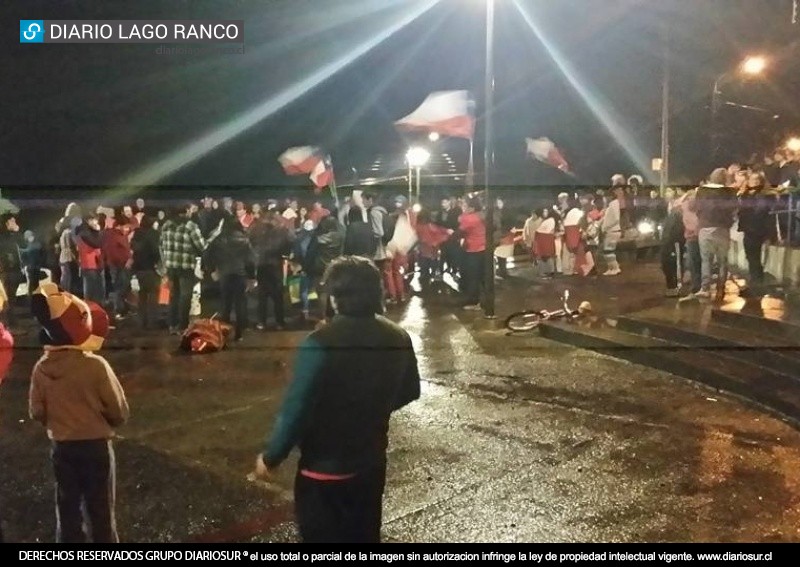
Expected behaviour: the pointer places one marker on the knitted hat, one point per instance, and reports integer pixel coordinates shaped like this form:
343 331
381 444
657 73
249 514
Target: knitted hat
68 321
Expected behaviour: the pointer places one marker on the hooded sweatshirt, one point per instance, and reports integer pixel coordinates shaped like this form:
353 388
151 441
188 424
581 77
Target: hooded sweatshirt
76 395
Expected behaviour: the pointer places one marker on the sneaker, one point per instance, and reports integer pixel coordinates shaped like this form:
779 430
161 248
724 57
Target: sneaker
672 293
260 327
703 295
688 298
612 272
475 307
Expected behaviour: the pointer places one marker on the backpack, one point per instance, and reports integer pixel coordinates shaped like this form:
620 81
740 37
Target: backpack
389 224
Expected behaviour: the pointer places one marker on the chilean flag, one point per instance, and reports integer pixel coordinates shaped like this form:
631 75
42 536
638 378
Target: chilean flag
544 150
322 174
300 160
448 113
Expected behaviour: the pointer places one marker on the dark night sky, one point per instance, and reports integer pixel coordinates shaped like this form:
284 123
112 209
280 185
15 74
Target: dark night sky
101 114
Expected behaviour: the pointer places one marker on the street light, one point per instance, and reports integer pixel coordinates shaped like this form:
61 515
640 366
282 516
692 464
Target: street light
754 65
488 159
416 158
434 136
751 66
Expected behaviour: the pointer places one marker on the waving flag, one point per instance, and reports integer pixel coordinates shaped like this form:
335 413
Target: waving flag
545 151
300 160
448 113
322 174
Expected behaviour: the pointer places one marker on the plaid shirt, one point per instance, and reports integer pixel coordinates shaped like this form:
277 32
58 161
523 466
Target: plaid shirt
181 244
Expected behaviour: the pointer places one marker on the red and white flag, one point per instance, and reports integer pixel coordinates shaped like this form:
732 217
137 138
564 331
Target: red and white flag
448 113
545 151
300 160
322 175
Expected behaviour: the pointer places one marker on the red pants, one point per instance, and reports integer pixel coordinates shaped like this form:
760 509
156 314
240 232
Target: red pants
393 279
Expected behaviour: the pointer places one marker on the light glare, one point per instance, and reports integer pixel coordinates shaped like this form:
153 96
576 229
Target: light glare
417 157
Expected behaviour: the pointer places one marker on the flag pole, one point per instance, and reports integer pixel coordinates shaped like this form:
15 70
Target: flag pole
471 166
332 184
488 158
334 192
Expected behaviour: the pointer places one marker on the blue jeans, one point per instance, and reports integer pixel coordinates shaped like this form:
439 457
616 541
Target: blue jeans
121 287
94 285
714 243
305 290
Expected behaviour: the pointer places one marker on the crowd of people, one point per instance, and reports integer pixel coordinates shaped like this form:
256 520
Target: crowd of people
368 250
238 251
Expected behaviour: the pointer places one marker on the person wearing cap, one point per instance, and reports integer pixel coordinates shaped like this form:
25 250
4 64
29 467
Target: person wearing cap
75 394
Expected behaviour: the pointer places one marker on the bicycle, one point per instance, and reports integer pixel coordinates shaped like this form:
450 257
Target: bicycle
528 320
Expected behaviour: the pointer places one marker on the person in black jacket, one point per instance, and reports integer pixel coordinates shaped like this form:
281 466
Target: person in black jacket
672 243
10 262
324 248
303 256
349 376
755 222
230 259
272 243
447 217
146 260
358 240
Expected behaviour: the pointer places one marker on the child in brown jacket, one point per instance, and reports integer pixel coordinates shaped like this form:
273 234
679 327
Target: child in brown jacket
75 394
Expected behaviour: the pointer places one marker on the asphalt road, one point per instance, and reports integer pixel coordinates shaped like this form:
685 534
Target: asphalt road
514 439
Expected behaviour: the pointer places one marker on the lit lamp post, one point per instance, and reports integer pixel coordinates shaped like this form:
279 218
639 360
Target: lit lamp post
488 159
751 66
416 158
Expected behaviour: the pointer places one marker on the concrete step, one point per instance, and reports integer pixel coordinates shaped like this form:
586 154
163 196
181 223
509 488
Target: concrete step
767 352
776 328
774 391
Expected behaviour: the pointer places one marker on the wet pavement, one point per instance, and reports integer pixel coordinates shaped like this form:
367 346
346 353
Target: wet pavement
514 439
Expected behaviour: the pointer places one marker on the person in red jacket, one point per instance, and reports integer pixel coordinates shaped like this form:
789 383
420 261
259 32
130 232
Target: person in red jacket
117 252
6 355
431 237
318 212
89 242
473 234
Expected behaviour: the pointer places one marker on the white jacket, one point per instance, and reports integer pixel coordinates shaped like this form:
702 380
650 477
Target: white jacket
611 218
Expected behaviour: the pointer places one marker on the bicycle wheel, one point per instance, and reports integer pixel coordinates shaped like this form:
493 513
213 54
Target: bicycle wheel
523 321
